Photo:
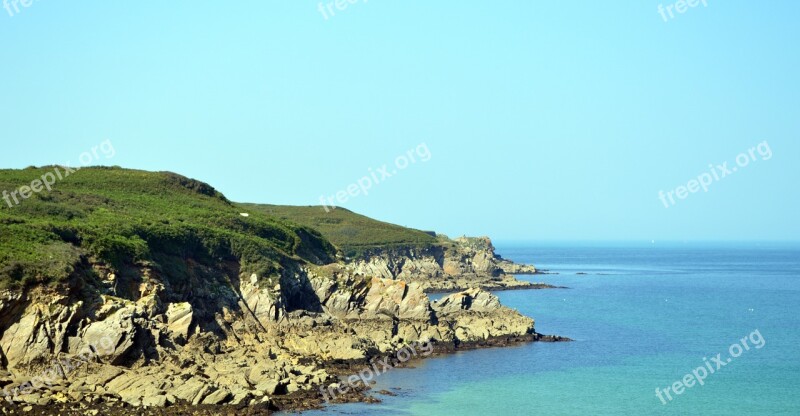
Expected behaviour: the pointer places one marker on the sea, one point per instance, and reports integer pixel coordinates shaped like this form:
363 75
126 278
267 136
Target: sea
658 329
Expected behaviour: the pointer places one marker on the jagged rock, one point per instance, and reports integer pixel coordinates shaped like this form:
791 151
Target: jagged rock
327 345
472 327
264 304
390 299
292 387
155 401
179 319
509 267
470 300
111 338
268 340
103 374
451 265
201 395
217 397
477 315
268 387
26 340
240 397
188 390
148 306
260 372
134 387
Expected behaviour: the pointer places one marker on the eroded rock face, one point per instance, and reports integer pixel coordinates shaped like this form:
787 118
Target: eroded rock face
510 267
454 265
477 315
112 338
265 303
468 300
179 320
237 343
396 299
26 341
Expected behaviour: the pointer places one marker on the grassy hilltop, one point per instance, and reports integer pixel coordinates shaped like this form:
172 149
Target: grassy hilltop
352 233
124 217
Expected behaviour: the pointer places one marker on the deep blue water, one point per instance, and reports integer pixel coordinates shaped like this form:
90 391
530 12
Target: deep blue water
643 317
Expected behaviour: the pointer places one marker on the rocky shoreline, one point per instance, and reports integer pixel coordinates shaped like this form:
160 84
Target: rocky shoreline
297 401
450 266
132 342
490 288
134 292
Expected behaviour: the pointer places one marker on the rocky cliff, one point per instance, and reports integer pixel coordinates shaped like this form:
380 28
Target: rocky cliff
247 341
450 265
132 292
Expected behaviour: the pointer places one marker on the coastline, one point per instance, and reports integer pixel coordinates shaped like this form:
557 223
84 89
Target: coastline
306 400
490 288
299 401
246 327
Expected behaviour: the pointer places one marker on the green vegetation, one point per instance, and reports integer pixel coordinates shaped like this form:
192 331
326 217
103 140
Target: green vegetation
124 217
352 233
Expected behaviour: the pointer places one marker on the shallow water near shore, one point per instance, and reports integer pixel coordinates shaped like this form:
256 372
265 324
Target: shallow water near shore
642 317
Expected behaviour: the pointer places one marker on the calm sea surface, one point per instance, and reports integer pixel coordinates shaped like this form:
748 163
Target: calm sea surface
642 317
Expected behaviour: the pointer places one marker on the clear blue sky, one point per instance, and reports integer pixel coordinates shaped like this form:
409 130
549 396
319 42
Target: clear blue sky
545 120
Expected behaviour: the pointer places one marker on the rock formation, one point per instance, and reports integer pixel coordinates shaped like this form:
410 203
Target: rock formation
246 340
451 265
129 289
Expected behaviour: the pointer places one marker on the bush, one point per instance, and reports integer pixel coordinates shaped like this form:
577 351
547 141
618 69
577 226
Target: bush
119 250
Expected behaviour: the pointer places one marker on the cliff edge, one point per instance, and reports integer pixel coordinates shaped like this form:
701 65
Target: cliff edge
122 290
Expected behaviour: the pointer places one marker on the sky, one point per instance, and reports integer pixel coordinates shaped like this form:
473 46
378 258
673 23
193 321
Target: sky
521 120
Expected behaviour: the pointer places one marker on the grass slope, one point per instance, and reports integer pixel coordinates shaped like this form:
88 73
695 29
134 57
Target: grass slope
122 217
352 233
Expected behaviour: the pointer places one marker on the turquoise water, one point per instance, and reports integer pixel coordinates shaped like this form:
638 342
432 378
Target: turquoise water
643 317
